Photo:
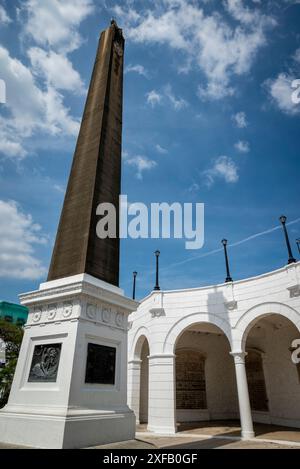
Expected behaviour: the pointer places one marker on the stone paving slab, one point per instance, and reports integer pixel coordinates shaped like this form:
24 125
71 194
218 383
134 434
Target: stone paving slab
132 444
207 442
7 446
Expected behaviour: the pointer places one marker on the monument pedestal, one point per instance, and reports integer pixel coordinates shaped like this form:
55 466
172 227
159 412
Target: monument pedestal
70 385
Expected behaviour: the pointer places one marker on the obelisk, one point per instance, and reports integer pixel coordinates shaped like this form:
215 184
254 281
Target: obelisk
96 172
70 384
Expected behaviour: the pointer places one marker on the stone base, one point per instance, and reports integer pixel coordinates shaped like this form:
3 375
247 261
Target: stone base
56 401
80 430
161 430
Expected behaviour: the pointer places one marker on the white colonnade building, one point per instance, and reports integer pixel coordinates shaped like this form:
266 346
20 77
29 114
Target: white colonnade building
217 353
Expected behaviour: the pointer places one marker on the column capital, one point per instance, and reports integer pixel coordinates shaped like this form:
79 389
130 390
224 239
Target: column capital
239 356
135 362
161 356
162 359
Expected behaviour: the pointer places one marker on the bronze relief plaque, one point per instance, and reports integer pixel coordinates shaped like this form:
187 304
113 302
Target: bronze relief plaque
44 365
100 365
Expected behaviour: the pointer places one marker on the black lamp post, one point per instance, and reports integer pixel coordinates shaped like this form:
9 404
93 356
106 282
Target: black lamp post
291 260
298 244
157 287
228 278
134 285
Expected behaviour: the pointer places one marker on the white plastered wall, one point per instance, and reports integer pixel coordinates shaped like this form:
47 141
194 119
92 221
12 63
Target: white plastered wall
221 394
234 308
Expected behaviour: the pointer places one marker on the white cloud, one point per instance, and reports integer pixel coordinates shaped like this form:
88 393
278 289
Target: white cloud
242 146
177 103
58 116
161 150
214 91
241 13
4 18
54 23
56 69
280 91
220 49
30 109
59 188
141 164
140 69
240 120
297 56
224 168
153 98
194 187
10 148
35 103
18 235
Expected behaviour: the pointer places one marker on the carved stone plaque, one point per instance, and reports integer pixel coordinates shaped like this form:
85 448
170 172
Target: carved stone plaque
101 364
44 365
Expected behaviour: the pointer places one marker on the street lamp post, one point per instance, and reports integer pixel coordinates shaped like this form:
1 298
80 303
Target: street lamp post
134 285
157 287
228 278
291 260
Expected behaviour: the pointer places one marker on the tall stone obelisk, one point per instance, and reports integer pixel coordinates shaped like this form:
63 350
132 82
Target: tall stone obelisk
70 385
96 172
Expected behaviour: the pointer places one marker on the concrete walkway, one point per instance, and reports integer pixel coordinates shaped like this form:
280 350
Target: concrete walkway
223 434
213 435
233 429
208 435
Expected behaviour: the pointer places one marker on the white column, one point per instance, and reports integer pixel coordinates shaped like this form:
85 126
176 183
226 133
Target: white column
243 395
134 385
162 401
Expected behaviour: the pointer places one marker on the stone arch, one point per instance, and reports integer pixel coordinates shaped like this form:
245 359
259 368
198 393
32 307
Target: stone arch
140 336
184 323
256 313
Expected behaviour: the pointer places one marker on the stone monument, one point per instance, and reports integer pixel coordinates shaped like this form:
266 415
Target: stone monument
70 385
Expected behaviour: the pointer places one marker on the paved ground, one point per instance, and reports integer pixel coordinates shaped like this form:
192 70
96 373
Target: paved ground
209 435
195 443
232 428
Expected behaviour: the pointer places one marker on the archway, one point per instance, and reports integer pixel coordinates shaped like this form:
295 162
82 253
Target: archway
144 384
205 376
273 378
138 379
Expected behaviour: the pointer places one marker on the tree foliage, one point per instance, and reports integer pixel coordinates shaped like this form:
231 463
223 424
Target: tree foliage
12 337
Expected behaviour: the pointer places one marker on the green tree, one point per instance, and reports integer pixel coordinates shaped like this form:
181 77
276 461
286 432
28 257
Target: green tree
12 337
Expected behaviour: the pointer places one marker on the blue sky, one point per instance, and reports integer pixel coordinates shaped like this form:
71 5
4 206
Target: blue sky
208 117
